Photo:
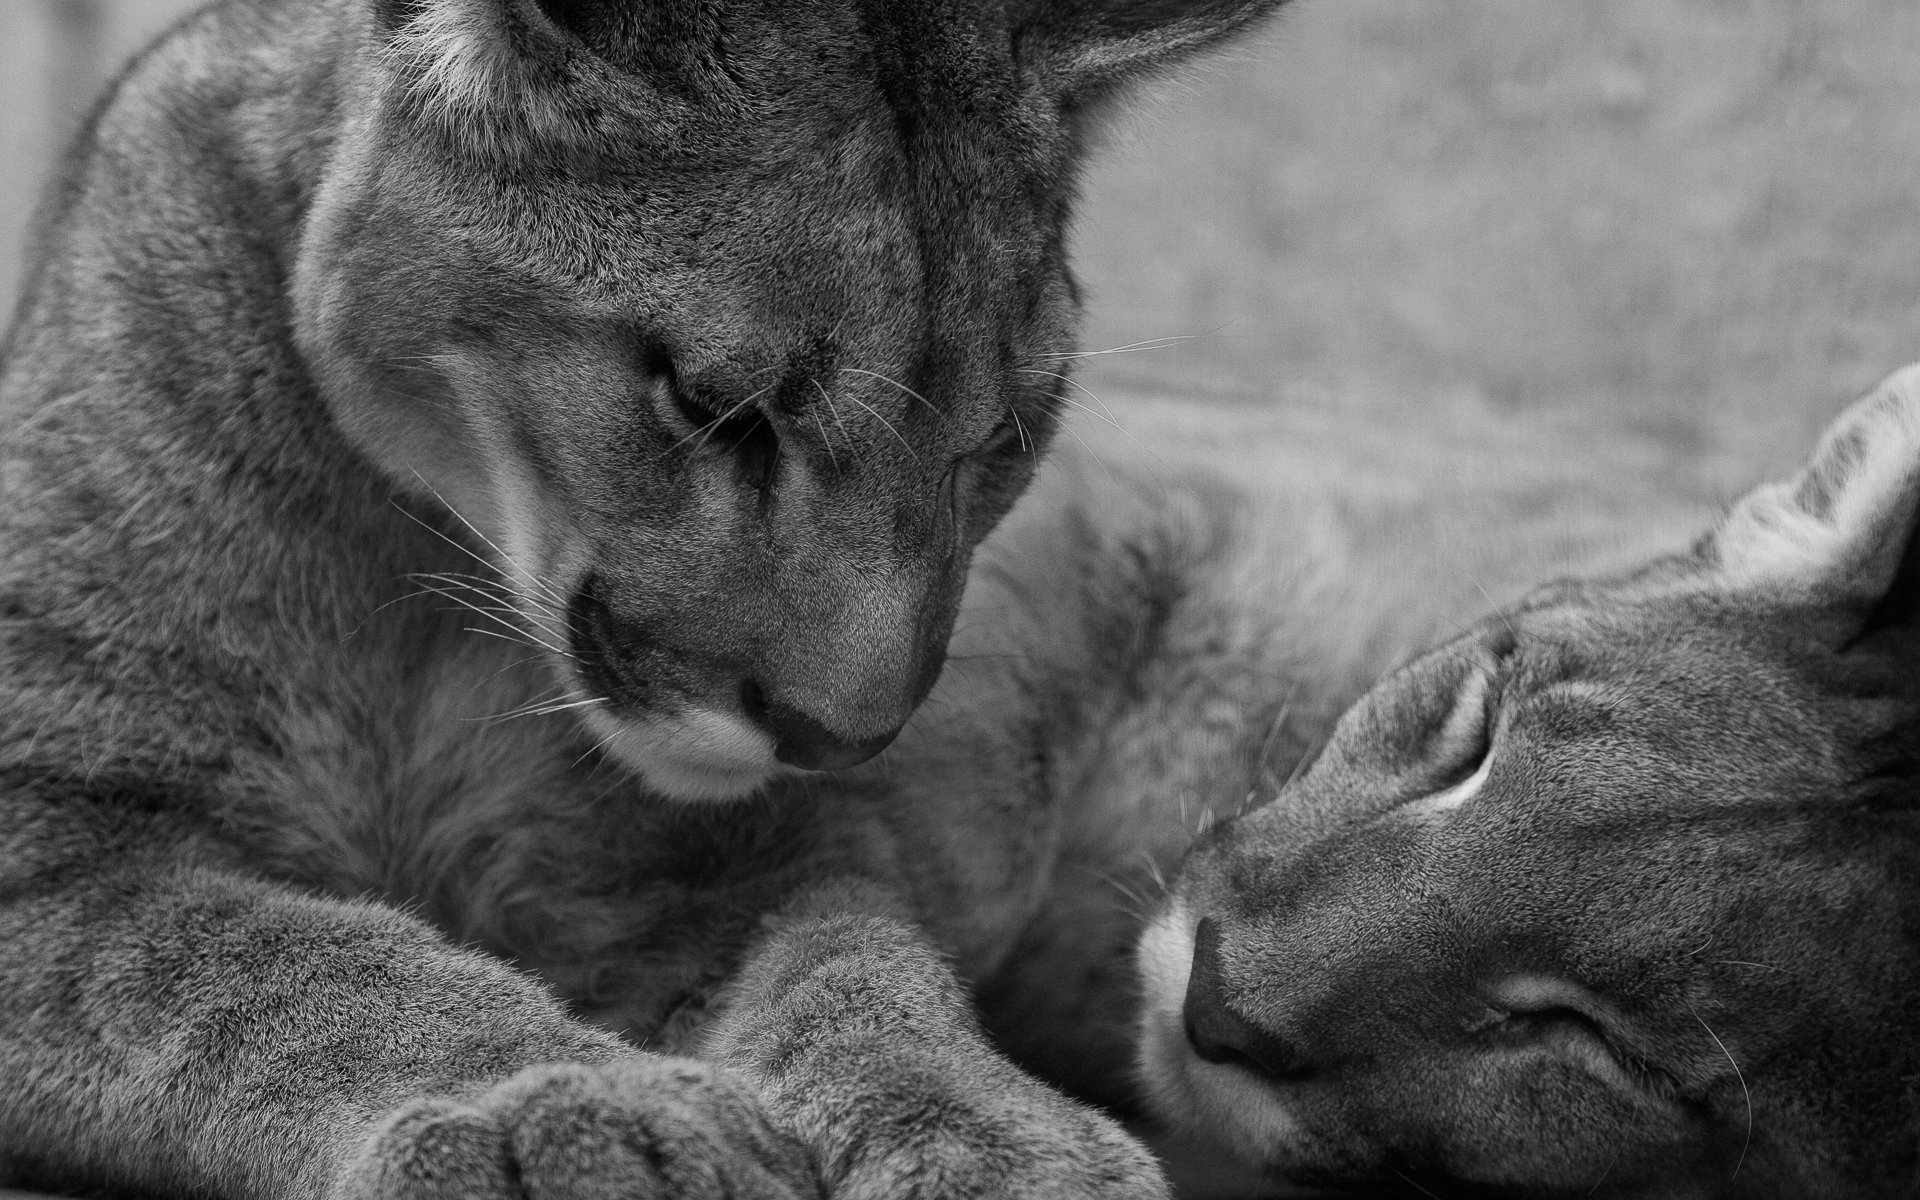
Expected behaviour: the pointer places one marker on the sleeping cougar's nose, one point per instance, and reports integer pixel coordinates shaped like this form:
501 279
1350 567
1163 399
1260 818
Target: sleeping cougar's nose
804 742
1217 1033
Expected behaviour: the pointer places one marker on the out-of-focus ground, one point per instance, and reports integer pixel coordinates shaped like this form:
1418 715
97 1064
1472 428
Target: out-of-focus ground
1693 219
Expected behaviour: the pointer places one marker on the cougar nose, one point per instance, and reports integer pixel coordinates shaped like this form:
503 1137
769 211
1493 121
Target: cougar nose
1219 1034
804 742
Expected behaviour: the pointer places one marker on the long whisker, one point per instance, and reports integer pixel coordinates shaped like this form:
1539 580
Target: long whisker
889 424
1026 440
558 691
506 560
1279 723
1611 1164
825 440
1105 413
519 632
705 432
1158 876
515 665
544 708
554 625
1091 452
833 412
931 406
472 597
1159 343
1485 595
1137 902
1741 1076
538 587
522 640
1412 1182
1300 767
594 749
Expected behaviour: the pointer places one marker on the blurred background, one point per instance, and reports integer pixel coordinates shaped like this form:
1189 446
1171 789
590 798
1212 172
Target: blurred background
1691 220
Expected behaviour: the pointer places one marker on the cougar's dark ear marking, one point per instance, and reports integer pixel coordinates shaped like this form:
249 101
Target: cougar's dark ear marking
1841 532
1087 48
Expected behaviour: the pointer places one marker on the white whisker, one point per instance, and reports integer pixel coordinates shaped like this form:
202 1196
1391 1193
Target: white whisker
545 708
1741 1076
1026 440
506 562
931 406
497 617
1105 413
706 432
889 424
833 412
1159 343
825 440
594 749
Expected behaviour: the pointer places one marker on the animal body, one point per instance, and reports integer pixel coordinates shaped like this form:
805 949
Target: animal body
1617 892
688 347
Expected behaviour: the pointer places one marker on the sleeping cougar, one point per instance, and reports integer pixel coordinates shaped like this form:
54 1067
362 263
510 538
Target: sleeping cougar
686 346
1616 893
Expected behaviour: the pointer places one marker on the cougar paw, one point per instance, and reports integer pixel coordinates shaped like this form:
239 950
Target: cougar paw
1066 1152
1014 1139
652 1128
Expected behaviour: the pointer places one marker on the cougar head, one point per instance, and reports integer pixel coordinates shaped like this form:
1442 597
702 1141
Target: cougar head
1618 894
731 326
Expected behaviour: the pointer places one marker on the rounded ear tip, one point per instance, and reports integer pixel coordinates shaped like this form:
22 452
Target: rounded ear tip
1904 383
1888 418
1840 527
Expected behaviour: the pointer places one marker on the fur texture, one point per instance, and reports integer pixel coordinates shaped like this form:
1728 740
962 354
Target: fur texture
688 349
1614 894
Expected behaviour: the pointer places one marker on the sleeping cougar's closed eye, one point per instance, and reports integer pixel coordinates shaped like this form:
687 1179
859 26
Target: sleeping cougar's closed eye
440 434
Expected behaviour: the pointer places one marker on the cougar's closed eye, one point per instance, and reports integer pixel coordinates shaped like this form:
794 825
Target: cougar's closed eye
695 416
1565 1018
737 428
663 386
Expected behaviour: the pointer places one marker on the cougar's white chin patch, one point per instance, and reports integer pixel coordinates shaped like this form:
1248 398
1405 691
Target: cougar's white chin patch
1216 1103
695 755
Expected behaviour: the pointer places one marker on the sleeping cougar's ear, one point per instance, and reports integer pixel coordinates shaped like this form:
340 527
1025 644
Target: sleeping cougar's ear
1088 48
1839 534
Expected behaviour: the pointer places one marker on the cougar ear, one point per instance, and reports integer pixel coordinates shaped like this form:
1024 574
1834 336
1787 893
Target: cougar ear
511 76
1087 48
1841 532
